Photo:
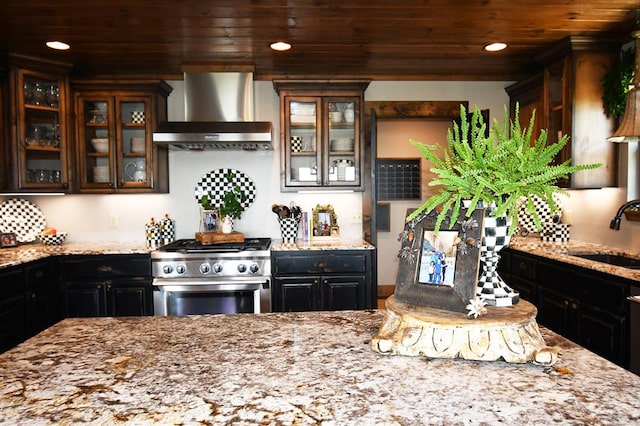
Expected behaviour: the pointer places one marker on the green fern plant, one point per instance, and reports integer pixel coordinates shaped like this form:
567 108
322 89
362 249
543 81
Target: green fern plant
503 169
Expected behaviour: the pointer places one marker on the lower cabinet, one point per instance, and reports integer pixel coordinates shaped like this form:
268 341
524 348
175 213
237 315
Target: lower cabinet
43 299
106 285
330 280
12 307
585 306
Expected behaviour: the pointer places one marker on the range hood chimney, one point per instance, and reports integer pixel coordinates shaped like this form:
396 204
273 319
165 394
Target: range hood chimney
219 115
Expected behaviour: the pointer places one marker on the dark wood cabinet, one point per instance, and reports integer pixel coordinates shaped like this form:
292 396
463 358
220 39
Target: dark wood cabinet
106 285
566 96
321 133
36 144
323 280
114 121
586 306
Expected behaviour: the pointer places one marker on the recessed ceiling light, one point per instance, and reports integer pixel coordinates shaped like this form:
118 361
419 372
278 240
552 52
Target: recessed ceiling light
280 46
58 45
495 47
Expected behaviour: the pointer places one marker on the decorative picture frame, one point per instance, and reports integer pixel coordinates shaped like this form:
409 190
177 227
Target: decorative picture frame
457 247
325 221
8 239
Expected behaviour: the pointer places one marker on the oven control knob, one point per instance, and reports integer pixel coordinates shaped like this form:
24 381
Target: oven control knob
217 268
242 267
254 268
181 269
205 268
167 269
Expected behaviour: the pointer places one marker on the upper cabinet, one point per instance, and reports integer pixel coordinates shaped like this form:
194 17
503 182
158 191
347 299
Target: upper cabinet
36 143
321 134
114 122
567 98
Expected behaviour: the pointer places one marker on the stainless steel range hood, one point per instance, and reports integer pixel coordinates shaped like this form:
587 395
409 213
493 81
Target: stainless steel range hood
219 115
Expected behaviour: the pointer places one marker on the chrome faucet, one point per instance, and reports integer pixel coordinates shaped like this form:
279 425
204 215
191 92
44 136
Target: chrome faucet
615 223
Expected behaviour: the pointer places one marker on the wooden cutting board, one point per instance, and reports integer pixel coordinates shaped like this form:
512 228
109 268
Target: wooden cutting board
208 238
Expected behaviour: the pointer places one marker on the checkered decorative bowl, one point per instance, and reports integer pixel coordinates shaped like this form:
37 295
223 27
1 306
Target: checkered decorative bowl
53 240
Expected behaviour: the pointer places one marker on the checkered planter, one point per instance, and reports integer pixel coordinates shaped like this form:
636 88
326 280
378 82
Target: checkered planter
555 232
289 229
491 288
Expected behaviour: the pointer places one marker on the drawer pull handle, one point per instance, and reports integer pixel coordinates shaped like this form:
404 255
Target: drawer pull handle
104 268
320 264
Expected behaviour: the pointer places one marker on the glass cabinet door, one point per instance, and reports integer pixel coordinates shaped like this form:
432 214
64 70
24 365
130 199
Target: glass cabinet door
342 143
303 156
96 142
133 142
114 143
41 132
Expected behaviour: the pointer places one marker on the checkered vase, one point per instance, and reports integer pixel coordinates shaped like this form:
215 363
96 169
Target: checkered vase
491 288
289 229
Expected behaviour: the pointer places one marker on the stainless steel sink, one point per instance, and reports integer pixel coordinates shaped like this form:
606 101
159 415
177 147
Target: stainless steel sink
611 259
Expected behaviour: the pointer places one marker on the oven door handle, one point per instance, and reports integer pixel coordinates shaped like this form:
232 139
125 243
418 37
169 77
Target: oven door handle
197 285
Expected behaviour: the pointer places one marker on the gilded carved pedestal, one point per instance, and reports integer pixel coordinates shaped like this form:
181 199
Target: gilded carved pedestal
508 333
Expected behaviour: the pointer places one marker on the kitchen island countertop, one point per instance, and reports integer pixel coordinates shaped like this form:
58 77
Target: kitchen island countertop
290 368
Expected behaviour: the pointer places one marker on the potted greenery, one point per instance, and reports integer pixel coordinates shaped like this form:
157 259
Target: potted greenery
500 172
503 169
231 206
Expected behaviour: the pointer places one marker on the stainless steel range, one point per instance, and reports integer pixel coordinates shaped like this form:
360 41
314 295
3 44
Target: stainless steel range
192 279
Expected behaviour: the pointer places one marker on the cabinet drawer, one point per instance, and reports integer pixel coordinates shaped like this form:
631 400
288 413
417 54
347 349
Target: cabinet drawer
523 267
109 266
315 264
41 274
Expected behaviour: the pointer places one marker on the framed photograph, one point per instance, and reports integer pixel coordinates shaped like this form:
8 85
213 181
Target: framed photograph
440 270
8 240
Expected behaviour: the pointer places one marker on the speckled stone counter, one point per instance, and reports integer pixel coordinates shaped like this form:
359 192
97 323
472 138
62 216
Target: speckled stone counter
12 256
322 243
290 368
561 252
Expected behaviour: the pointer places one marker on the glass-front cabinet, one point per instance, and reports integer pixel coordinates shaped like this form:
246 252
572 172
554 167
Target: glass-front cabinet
113 142
321 136
41 133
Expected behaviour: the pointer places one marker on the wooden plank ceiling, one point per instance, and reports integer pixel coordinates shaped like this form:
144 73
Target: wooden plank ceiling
377 39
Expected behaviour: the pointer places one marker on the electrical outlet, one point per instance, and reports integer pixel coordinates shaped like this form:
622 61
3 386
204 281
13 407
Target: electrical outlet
356 216
113 220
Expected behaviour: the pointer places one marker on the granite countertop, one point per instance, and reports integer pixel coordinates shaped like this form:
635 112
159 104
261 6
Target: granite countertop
11 256
561 252
290 368
322 243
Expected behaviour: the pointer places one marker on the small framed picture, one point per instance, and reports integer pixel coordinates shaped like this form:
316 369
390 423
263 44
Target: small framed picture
440 270
8 240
